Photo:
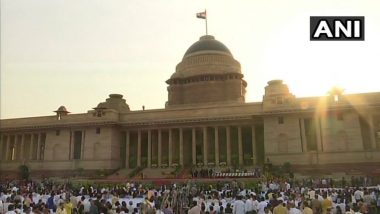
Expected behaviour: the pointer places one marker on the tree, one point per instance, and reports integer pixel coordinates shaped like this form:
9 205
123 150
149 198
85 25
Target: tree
24 172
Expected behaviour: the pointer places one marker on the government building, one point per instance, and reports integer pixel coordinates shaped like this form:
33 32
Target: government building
206 122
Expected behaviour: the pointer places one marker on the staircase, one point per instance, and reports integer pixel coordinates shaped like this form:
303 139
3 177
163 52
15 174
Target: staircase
120 174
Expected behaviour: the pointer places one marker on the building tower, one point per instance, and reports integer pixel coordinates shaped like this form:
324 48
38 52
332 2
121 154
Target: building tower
207 74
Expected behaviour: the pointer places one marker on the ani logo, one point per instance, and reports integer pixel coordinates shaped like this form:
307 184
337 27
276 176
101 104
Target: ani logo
344 28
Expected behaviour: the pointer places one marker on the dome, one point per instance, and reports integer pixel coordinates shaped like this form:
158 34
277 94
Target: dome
207 73
207 43
115 102
206 56
62 109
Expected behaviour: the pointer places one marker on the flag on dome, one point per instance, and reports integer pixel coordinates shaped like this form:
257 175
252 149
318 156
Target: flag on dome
202 15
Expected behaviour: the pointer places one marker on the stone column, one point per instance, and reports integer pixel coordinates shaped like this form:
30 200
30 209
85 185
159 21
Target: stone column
181 146
127 149
193 146
205 146
319 135
159 147
138 148
228 136
240 146
149 148
15 148
170 147
7 153
372 131
2 144
22 158
254 147
32 144
303 135
216 146
39 146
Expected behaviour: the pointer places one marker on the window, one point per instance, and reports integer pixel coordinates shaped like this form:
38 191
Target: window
57 132
280 120
97 130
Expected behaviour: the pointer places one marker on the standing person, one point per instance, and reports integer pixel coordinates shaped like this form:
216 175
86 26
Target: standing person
93 208
261 206
249 206
267 210
68 206
221 210
61 209
195 209
280 208
326 204
80 207
306 208
211 210
316 205
378 201
74 202
293 209
228 209
86 205
239 206
11 210
50 203
148 205
130 206
255 203
167 209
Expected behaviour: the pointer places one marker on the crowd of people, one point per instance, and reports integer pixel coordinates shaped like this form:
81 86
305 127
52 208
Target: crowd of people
277 196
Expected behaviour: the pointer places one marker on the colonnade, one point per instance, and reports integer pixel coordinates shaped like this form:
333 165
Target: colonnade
28 146
205 145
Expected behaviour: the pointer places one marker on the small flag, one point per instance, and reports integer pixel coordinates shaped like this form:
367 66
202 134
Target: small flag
201 15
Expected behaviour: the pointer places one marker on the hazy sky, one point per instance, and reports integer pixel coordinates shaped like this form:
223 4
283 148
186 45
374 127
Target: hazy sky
76 52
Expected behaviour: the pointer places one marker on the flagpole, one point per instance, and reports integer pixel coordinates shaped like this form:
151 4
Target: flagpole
206 22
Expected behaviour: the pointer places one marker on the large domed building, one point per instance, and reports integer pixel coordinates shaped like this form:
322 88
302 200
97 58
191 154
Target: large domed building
205 123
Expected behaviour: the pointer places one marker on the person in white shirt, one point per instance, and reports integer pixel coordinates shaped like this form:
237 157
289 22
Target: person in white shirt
195 209
217 207
86 204
287 186
311 194
358 194
11 208
249 206
261 206
6 204
239 206
255 202
293 209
